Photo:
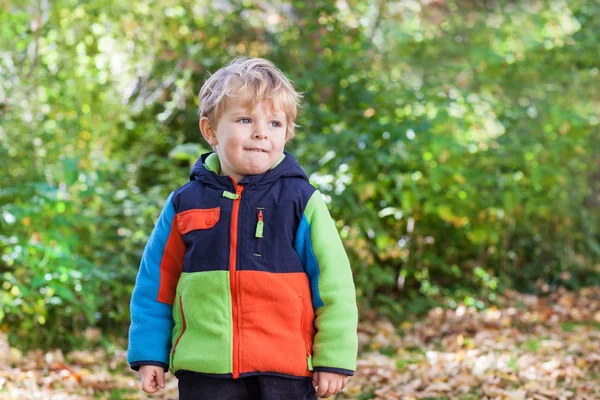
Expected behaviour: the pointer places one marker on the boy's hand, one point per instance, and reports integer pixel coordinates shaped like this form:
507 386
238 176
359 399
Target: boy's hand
329 383
153 378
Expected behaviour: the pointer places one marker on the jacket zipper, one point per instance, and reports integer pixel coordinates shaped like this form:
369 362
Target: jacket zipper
235 314
259 231
306 342
184 326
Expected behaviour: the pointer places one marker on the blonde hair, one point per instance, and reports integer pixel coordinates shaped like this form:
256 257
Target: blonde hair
254 80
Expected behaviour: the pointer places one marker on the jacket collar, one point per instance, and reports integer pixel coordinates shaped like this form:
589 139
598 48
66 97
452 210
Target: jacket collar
207 170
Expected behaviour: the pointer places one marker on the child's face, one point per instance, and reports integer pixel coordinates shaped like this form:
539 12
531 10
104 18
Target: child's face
248 142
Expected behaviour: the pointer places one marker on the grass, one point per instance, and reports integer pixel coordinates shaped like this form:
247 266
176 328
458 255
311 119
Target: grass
570 326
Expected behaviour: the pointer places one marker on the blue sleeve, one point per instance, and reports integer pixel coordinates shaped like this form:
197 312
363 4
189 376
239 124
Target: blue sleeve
151 320
304 249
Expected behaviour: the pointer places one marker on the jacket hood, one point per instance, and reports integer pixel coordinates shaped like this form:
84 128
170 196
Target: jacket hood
206 171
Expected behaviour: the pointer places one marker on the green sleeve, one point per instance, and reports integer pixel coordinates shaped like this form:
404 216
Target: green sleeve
336 342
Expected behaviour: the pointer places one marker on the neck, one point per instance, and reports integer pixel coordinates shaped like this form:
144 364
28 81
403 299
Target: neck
235 177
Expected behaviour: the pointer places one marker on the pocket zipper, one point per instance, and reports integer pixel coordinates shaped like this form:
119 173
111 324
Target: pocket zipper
303 327
184 325
259 231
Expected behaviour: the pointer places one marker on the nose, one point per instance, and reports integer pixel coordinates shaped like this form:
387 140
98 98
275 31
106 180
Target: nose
259 132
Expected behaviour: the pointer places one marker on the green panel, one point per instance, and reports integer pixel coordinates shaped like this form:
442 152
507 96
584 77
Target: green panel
206 344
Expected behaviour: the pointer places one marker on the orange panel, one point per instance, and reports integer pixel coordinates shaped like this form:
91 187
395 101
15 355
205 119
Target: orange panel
277 322
197 218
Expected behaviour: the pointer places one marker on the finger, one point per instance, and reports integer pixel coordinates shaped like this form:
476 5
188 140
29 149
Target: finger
331 385
160 378
315 378
345 382
332 388
323 386
149 385
339 385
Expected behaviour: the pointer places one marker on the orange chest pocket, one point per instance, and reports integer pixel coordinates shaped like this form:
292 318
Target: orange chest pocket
197 218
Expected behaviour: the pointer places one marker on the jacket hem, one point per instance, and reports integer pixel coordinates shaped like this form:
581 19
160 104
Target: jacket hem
342 371
248 374
137 364
181 372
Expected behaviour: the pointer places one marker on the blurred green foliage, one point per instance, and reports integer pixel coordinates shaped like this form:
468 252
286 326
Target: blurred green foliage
458 143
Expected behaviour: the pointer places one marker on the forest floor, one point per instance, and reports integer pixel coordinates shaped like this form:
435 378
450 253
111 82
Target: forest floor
531 347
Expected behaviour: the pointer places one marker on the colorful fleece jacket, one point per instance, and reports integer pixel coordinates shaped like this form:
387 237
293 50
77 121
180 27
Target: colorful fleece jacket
247 278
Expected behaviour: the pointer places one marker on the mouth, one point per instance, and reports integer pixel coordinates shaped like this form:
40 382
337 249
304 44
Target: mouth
256 150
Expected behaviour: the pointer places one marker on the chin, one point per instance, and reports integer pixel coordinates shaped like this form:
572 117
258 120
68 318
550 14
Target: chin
257 170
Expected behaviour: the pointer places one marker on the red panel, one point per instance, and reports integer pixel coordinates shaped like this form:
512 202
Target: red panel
171 266
277 322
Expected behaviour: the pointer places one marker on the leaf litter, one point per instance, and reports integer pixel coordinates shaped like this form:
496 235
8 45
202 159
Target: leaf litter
530 347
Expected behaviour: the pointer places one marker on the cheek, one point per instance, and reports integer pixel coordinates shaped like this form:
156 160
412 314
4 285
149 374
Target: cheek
232 152
232 144
278 148
279 143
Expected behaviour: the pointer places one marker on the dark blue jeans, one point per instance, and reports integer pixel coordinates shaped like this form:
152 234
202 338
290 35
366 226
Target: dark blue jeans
194 386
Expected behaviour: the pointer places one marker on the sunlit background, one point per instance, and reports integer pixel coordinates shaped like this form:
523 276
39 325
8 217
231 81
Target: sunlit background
457 143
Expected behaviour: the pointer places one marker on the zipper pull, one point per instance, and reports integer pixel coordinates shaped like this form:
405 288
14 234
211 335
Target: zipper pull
310 364
232 196
259 225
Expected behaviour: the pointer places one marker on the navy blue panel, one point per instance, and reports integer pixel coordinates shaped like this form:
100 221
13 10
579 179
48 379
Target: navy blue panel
206 249
196 194
282 205
281 193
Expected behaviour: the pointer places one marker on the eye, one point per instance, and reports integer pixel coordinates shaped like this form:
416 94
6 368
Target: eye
276 124
244 120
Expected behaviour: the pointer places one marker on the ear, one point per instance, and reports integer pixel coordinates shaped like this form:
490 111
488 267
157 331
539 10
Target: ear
208 132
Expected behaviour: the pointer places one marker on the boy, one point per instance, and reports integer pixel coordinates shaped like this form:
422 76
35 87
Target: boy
244 289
